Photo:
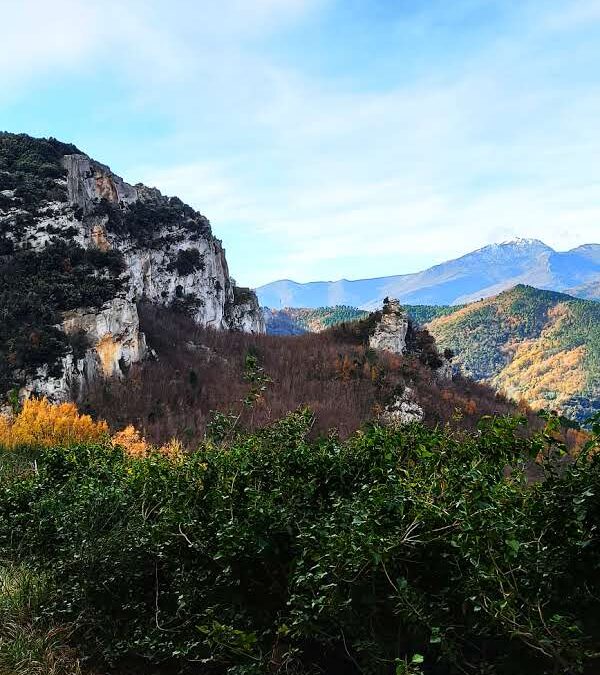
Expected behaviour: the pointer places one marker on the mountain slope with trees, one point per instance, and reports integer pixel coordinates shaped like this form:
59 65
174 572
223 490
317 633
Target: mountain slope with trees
298 320
537 345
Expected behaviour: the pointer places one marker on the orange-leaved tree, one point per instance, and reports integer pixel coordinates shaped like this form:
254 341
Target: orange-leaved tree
41 424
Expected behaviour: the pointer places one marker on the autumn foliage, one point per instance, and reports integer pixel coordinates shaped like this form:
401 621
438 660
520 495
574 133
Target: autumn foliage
200 371
41 424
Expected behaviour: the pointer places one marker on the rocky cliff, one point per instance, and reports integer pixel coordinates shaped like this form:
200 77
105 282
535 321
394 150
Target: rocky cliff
392 328
79 248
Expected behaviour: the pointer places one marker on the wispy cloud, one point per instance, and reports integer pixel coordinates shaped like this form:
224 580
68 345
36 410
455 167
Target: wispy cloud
463 124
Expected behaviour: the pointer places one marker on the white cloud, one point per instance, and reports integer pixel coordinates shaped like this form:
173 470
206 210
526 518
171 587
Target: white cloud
39 36
313 172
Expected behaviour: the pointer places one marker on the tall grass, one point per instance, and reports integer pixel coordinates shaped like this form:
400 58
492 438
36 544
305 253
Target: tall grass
27 645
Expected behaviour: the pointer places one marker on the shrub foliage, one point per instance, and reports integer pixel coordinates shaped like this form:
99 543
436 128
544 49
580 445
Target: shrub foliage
275 553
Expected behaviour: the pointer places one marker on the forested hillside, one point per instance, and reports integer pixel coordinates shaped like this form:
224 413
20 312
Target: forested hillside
297 320
537 345
200 372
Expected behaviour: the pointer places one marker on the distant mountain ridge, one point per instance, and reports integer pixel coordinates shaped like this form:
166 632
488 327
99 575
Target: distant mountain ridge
296 321
479 274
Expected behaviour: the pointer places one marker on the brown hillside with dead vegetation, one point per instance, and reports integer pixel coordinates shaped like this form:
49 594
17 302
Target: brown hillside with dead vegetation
198 371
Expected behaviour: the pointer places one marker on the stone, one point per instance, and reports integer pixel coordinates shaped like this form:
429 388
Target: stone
112 332
403 409
390 332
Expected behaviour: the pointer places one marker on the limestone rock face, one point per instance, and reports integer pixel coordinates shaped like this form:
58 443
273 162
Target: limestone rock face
245 314
390 333
89 181
112 342
404 409
169 257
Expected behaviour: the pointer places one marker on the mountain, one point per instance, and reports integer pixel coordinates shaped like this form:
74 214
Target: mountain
298 320
536 345
79 248
295 321
477 275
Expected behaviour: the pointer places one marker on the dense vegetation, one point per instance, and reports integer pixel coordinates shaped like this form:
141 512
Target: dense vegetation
538 345
153 221
296 320
346 383
30 167
397 551
422 314
35 287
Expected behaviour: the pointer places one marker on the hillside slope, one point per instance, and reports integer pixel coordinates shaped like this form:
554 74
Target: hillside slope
343 381
537 345
79 247
298 320
478 274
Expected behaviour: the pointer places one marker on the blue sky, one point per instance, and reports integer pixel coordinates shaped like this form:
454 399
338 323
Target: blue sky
328 139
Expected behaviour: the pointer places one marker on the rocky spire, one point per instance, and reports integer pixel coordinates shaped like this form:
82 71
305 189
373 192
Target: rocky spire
390 332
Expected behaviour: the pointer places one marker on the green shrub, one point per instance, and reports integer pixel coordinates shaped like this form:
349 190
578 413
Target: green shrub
187 261
276 554
31 167
144 220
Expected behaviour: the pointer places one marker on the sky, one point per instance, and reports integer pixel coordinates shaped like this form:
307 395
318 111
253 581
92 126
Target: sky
327 139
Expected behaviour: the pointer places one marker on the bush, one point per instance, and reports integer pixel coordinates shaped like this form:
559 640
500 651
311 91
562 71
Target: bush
40 424
148 221
188 260
278 554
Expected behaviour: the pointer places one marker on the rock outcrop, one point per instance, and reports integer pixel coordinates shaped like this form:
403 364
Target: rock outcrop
403 409
391 331
394 332
165 253
111 343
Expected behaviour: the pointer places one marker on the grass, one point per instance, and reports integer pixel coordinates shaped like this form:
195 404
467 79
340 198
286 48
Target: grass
27 645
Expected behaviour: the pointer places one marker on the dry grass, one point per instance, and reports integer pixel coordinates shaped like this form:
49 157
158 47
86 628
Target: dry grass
27 646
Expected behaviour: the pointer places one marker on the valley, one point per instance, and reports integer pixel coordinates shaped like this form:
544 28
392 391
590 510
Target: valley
189 478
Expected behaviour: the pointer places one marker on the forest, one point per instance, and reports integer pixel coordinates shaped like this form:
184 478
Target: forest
200 372
538 345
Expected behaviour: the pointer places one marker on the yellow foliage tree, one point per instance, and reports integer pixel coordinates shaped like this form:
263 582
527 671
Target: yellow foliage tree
41 424
131 441
136 445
